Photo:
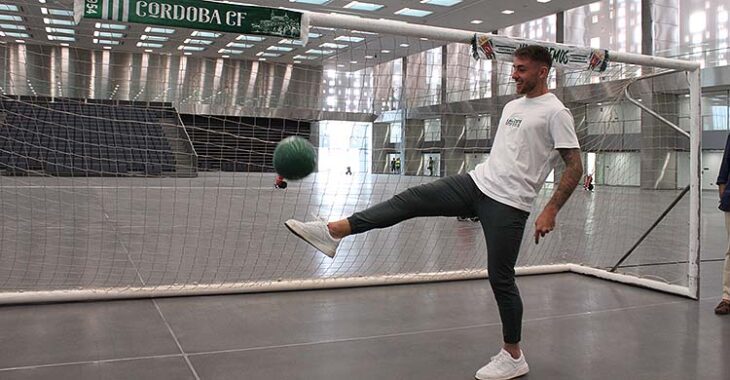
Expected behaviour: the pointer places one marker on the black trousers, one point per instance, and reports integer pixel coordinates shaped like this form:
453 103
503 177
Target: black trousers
459 196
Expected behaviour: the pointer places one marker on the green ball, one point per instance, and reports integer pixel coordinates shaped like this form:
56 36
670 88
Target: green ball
294 158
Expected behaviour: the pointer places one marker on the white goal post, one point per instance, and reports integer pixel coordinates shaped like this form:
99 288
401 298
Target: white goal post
690 71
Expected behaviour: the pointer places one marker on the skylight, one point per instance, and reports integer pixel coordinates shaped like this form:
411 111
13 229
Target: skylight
250 38
9 8
304 57
108 34
111 26
10 18
55 21
194 41
279 48
320 52
291 42
264 54
349 39
154 38
443 3
106 42
57 12
314 35
239 45
12 27
151 29
14 34
60 30
413 12
61 38
230 51
148 45
197 33
190 48
360 6
331 45
316 2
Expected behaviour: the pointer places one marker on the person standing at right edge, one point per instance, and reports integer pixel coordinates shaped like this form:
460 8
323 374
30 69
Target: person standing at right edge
723 307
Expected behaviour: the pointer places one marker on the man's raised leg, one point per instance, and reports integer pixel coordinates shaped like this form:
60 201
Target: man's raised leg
449 196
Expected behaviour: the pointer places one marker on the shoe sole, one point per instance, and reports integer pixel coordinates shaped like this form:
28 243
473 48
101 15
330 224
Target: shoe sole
299 235
519 373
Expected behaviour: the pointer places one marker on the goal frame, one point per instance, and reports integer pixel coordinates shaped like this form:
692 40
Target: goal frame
692 70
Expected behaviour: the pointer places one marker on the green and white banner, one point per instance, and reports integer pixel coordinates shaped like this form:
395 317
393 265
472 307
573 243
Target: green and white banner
488 46
206 15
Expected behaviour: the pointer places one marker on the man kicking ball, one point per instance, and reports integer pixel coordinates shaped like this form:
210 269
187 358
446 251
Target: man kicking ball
535 130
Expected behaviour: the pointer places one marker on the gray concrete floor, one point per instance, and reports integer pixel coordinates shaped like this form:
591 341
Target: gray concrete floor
575 327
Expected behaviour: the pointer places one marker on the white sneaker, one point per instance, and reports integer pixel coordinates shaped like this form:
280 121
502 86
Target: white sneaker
316 234
503 367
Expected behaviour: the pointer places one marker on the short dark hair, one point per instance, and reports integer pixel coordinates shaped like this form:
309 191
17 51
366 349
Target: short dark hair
535 53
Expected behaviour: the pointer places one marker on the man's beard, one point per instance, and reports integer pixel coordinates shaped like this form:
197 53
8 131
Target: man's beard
526 87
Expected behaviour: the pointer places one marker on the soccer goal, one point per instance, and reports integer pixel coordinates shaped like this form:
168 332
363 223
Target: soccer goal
128 175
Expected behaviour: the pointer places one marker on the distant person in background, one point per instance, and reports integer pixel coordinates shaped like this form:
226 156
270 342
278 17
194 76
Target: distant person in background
392 165
348 171
588 183
724 306
430 166
280 183
397 165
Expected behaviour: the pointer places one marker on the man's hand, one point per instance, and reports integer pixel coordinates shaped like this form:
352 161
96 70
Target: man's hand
722 189
568 182
545 223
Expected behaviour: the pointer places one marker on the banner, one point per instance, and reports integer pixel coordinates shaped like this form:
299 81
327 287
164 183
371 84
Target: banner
488 46
205 15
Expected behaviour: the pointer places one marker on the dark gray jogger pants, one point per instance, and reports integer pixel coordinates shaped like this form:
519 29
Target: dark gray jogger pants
459 196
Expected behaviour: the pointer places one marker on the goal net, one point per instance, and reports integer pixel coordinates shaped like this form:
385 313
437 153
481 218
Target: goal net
128 174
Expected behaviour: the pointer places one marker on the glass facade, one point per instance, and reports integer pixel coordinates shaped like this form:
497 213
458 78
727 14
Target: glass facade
432 130
607 24
703 31
477 128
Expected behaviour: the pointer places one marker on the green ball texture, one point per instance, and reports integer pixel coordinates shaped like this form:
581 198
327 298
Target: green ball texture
294 158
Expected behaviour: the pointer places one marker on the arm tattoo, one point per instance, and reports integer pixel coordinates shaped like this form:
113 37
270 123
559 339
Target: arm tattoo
570 178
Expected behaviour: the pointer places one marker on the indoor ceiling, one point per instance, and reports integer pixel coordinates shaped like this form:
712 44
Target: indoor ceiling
51 23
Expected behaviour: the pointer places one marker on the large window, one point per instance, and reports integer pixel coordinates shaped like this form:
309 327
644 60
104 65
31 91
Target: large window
396 133
480 78
703 31
477 128
613 118
433 75
344 144
432 164
715 111
474 159
432 130
347 91
607 24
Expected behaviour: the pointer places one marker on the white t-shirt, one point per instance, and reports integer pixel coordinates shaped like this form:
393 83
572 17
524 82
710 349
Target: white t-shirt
524 150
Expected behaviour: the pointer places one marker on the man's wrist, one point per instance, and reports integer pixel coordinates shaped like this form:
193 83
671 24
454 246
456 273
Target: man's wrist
551 209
